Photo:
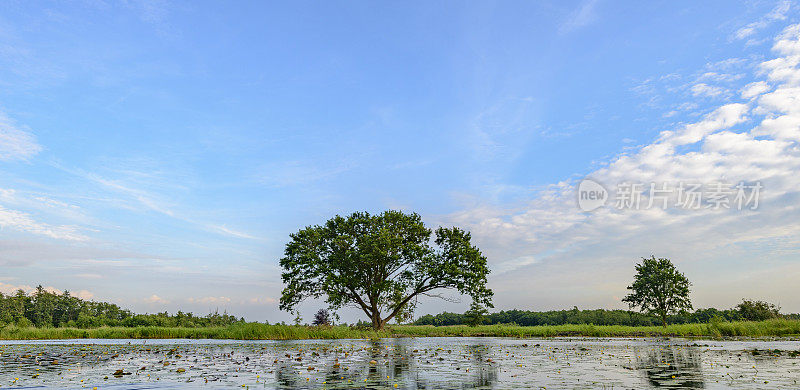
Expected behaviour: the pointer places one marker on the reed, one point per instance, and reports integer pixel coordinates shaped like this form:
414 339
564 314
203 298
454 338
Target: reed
258 331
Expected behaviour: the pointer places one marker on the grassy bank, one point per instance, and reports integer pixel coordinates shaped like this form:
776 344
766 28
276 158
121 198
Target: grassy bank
770 328
255 331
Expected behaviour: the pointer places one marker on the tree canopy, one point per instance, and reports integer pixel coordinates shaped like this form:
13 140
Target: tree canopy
659 288
476 315
752 310
43 308
380 264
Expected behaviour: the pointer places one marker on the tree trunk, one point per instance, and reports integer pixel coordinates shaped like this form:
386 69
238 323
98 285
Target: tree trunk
377 324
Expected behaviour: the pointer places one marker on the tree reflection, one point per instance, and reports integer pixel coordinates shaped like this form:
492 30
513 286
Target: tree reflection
672 367
389 364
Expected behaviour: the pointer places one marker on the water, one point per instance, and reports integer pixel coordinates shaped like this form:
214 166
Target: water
404 363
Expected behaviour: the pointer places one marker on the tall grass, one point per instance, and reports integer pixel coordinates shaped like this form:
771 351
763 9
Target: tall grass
245 331
256 331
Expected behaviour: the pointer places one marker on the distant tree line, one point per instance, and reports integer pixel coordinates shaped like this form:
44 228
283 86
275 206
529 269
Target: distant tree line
43 308
748 310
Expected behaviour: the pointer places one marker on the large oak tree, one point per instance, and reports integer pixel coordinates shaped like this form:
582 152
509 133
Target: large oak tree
380 264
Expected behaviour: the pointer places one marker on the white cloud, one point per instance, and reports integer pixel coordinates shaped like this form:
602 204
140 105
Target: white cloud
703 89
9 289
754 89
723 117
788 43
262 301
23 222
155 299
83 294
212 300
231 232
15 143
566 243
719 77
727 65
777 13
45 207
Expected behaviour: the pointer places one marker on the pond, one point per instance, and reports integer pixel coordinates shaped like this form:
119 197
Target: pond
403 363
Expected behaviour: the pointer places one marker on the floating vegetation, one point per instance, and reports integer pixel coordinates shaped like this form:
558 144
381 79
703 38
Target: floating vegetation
406 363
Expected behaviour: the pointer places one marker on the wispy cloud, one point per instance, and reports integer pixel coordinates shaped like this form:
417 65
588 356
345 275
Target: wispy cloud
149 200
584 15
501 131
150 11
143 197
777 13
212 300
21 252
155 299
262 301
83 294
16 143
703 89
23 222
231 232
297 172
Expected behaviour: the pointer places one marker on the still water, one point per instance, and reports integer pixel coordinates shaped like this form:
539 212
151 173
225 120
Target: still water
403 363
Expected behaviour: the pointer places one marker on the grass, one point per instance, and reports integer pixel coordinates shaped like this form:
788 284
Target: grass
248 331
770 328
256 331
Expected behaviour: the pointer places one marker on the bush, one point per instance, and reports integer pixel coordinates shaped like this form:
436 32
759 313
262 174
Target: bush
24 323
757 310
322 318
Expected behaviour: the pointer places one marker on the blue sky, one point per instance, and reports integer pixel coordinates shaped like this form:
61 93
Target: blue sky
158 154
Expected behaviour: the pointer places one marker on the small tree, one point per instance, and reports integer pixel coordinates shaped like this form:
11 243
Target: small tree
476 315
757 310
659 289
380 264
322 318
298 320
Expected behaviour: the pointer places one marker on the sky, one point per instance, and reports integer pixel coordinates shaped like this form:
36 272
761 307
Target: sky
158 154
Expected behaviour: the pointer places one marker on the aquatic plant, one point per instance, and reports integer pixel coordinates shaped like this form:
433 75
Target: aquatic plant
259 331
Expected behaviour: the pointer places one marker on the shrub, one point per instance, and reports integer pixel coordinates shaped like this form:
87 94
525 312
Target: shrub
322 318
757 310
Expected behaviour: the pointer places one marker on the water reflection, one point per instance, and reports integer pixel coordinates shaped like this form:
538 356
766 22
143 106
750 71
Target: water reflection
672 367
410 363
33 361
393 363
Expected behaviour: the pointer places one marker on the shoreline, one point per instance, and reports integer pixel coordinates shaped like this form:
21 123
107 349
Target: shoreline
783 329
